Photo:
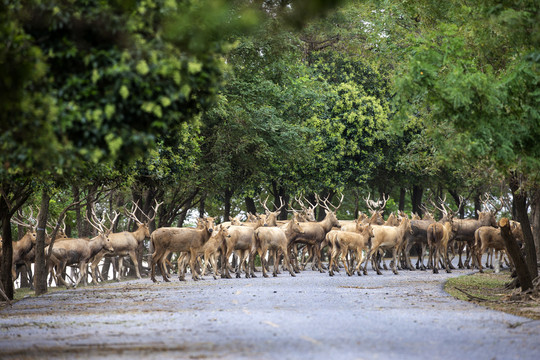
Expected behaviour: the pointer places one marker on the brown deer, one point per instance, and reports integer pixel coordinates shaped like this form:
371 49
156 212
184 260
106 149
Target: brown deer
78 251
126 243
343 242
387 237
315 232
173 239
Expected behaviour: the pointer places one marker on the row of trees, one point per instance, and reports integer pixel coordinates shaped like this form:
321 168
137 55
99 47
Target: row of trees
210 105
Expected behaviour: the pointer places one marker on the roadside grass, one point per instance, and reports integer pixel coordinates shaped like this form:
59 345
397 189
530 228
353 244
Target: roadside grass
489 290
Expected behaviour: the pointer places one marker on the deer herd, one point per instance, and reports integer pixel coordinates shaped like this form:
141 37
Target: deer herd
263 240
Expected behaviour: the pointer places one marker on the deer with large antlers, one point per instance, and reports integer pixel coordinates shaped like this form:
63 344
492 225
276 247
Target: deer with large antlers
464 229
315 232
23 246
79 251
271 216
126 243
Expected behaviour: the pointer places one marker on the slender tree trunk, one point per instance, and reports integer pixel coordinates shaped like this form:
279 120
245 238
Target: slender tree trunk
227 208
356 194
535 215
402 193
524 276
520 201
7 251
78 217
40 265
87 228
477 205
416 199
181 218
250 205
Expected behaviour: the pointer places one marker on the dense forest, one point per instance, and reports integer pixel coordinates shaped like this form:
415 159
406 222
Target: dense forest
209 107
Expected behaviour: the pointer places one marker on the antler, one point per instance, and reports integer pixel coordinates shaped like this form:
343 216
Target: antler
368 202
95 223
113 221
20 222
282 204
264 204
132 214
150 219
383 205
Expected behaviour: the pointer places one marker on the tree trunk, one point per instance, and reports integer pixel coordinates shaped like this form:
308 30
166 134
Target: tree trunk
250 205
88 229
40 265
78 217
520 201
227 208
7 250
535 215
524 276
402 193
202 205
459 204
416 199
477 205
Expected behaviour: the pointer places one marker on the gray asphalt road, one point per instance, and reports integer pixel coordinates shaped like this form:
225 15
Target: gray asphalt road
311 316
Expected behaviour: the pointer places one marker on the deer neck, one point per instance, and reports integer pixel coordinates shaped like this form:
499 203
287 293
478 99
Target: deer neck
139 234
327 223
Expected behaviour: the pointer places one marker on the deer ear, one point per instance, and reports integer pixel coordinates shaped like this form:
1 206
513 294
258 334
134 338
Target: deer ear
478 212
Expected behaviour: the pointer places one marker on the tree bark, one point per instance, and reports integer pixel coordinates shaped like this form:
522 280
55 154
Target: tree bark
12 198
402 193
78 217
7 252
40 265
202 205
520 202
250 205
477 205
524 276
416 199
227 208
535 215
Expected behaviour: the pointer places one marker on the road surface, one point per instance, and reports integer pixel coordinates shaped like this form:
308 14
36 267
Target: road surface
311 316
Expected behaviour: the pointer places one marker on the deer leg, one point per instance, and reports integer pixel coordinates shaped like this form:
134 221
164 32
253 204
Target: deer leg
394 259
133 257
264 262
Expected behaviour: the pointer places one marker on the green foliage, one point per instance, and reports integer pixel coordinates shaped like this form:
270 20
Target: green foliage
477 106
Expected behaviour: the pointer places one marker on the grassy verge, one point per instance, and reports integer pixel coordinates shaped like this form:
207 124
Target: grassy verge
489 290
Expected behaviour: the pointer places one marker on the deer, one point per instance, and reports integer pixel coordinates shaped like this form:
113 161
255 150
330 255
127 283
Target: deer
126 242
241 240
276 240
30 256
387 237
24 245
487 237
315 232
342 242
271 216
438 236
210 250
174 239
464 229
79 251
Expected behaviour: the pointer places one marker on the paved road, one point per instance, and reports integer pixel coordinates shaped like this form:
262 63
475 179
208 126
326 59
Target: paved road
311 316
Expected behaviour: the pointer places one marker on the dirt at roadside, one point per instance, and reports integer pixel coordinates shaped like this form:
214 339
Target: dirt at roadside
490 290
